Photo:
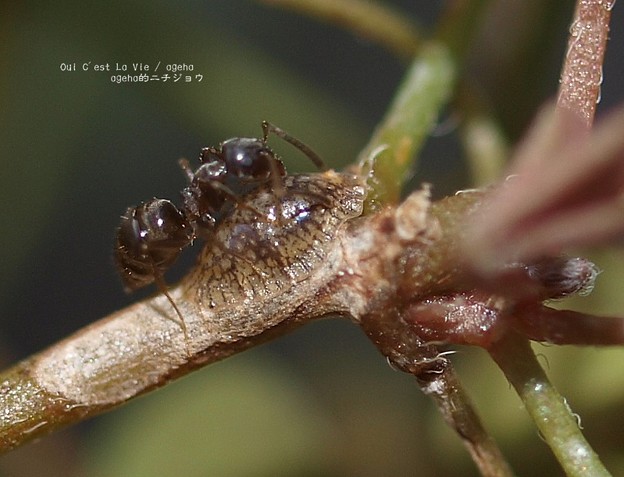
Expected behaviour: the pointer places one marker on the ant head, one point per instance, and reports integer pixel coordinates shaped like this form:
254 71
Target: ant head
250 160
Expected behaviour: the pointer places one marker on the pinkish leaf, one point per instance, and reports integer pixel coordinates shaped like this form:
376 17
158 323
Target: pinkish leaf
566 190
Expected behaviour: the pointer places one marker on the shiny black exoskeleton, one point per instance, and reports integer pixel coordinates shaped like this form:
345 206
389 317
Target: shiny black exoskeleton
152 235
226 174
149 240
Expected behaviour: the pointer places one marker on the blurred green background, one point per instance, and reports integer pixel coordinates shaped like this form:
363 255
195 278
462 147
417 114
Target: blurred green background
77 149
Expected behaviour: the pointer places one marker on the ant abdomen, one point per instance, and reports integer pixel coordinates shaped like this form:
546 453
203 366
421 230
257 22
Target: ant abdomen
149 239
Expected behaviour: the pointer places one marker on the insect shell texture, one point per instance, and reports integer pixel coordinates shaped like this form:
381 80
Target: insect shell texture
276 241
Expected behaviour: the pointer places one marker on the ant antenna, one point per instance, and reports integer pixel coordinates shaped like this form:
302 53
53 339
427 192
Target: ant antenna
268 128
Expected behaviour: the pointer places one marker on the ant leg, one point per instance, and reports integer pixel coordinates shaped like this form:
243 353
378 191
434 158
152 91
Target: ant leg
216 244
268 128
247 260
228 251
276 178
278 190
231 195
186 168
162 286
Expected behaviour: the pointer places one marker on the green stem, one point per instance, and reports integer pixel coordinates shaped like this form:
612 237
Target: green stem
426 88
459 23
483 139
549 410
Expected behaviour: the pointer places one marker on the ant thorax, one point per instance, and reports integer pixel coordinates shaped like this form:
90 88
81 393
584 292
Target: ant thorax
227 174
276 240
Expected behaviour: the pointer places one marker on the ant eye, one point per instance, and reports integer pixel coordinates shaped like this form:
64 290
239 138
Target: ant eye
249 159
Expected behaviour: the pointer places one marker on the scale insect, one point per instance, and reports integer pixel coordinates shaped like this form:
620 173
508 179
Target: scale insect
152 235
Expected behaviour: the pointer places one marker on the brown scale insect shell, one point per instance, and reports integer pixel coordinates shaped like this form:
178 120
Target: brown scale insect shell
277 241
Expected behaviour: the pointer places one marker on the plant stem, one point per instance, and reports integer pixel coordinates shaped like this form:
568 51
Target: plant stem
582 70
483 139
426 89
456 408
400 135
458 25
551 413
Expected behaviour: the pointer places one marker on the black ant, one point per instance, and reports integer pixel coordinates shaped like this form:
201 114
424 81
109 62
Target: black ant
152 235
